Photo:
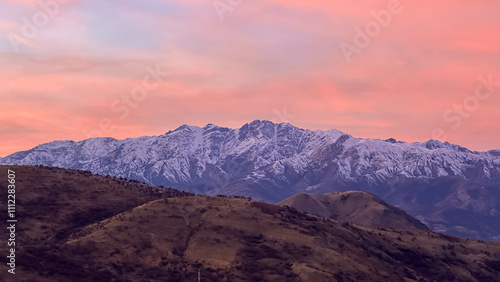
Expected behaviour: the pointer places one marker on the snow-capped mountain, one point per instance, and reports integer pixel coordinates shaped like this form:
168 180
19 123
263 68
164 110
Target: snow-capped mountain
271 161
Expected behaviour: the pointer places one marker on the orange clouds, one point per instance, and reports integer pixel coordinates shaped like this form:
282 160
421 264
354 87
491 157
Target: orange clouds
266 57
23 2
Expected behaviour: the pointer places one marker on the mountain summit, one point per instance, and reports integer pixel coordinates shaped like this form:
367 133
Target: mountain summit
446 186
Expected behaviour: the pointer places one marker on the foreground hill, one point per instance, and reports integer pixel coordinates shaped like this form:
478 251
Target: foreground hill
75 226
434 181
353 206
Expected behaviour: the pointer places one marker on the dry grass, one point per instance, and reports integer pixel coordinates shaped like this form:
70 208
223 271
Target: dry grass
354 206
227 239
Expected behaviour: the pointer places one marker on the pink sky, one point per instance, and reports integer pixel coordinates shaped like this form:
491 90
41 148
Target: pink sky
276 60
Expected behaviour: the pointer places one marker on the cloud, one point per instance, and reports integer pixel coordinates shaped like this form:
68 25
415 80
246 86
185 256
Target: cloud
30 3
265 55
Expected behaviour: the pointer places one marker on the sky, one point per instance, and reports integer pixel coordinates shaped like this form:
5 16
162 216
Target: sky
409 70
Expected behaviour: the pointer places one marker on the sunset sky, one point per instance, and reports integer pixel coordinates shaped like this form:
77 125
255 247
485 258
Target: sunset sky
411 70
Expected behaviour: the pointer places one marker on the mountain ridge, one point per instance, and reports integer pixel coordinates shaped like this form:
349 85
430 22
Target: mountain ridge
271 162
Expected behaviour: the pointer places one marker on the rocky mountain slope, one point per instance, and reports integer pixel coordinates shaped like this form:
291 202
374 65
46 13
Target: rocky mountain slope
436 182
75 226
357 207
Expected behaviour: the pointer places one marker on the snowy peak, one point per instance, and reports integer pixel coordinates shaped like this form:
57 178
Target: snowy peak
187 128
210 127
257 130
435 144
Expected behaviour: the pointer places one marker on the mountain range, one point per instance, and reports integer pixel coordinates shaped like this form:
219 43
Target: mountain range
448 187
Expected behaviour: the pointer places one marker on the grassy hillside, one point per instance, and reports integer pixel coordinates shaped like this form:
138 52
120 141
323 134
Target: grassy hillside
74 226
354 206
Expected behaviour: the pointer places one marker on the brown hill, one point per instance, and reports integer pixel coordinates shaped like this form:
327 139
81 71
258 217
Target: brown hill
354 206
63 238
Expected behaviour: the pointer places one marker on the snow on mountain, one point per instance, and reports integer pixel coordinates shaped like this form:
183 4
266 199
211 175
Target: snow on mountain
182 155
273 161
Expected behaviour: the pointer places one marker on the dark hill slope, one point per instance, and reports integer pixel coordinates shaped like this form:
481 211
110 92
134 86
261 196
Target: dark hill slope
137 236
